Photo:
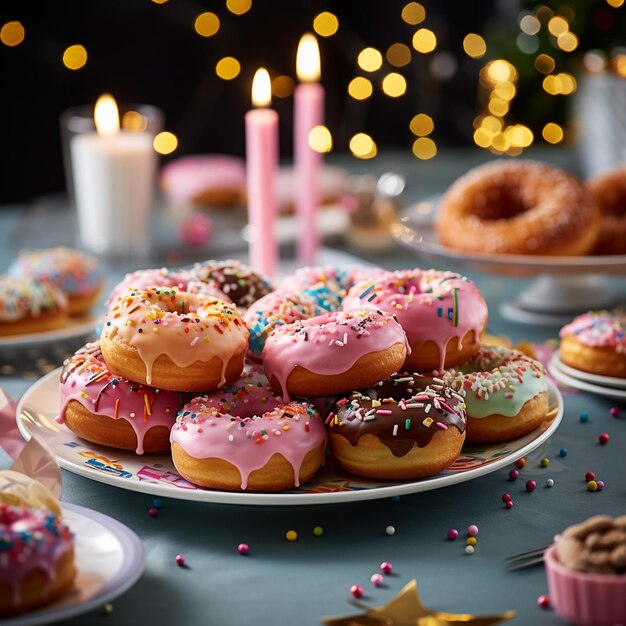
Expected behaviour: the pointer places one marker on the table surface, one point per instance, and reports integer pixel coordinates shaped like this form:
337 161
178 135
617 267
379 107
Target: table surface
301 581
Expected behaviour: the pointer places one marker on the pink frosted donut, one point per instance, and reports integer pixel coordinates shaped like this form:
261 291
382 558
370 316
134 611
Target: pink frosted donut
36 559
334 353
209 179
112 411
434 308
336 280
245 438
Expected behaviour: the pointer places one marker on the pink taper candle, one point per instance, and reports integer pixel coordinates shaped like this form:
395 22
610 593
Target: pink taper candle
262 165
308 113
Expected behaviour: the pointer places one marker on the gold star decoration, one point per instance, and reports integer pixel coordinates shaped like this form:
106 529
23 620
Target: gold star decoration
406 609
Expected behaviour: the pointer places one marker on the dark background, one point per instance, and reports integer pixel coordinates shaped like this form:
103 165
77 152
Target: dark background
149 53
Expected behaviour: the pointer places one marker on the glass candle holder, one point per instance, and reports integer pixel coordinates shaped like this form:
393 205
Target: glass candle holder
111 178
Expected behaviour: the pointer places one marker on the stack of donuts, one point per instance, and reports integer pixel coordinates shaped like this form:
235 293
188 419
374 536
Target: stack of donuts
247 384
43 287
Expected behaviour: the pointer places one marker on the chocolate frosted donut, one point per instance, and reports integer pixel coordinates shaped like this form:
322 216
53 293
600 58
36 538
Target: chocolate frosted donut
401 428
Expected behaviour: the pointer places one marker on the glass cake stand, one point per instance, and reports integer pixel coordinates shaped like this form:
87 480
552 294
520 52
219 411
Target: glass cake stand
563 287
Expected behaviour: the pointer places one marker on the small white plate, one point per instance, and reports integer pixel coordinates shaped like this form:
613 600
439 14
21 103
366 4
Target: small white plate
156 474
609 392
595 379
74 328
109 560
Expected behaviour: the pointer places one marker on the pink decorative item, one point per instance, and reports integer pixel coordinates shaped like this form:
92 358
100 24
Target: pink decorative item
308 113
195 230
583 598
262 165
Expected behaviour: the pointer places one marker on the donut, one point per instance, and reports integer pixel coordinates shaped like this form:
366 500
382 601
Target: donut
334 353
506 394
399 428
77 274
17 489
595 342
28 306
609 194
239 282
204 179
442 313
174 340
106 409
245 438
518 207
36 559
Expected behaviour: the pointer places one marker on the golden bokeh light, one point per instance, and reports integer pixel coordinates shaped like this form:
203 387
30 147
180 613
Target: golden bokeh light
500 142
12 34
325 24
491 124
165 142
500 70
228 68
552 133
616 4
505 90
567 41
320 139
422 125
568 83
363 146
562 84
498 107
398 54
519 136
474 46
544 13
207 24
424 40
557 25
530 25
620 64
394 85
544 63
75 57
360 88
238 7
159 1
282 86
424 148
134 121
413 13
482 138
370 59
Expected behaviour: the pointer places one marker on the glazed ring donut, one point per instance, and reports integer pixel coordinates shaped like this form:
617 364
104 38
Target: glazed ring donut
29 306
112 411
506 394
609 193
37 559
401 428
518 207
596 343
77 274
442 313
334 353
247 439
174 340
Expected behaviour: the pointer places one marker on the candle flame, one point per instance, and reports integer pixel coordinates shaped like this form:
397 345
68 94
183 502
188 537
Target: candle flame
106 115
308 59
261 88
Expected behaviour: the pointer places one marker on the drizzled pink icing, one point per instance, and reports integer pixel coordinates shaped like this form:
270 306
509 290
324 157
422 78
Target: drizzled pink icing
329 344
430 305
87 380
246 426
185 327
30 540
599 329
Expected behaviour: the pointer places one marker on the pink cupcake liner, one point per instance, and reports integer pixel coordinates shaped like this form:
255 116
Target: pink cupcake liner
583 598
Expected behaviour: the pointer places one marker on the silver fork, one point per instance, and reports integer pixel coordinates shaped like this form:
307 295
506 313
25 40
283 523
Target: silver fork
531 557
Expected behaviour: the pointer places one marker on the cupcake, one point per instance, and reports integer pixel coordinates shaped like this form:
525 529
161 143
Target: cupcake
586 569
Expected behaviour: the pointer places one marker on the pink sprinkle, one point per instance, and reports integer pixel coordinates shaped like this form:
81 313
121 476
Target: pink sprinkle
386 567
383 412
377 580
194 341
442 426
243 549
614 411
153 512
356 591
543 601
472 530
453 533
180 560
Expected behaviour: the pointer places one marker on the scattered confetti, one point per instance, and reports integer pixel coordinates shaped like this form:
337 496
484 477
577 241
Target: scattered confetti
291 535
543 601
506 497
603 438
153 512
472 530
531 485
592 485
395 498
180 560
600 484
563 452
453 533
377 580
107 609
390 530
157 503
509 504
614 411
520 463
356 591
386 567
590 476
243 549
469 549
544 462
471 541
584 417
549 482
513 475
318 531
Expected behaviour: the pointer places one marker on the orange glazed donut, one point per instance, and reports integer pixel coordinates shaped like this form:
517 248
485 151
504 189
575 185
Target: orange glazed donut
334 353
400 428
29 306
518 207
609 192
596 343
174 340
245 438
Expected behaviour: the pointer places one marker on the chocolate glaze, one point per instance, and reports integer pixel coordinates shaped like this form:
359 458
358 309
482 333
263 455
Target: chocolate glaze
359 413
